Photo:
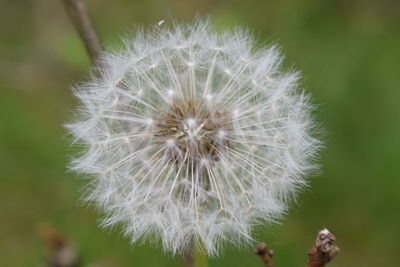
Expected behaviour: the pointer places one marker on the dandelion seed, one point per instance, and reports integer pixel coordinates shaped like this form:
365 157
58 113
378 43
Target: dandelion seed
200 136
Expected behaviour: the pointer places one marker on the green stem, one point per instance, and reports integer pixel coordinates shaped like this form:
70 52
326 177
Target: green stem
201 259
194 257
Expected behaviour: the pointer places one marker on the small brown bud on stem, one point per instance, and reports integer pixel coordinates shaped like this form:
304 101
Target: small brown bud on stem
265 254
324 250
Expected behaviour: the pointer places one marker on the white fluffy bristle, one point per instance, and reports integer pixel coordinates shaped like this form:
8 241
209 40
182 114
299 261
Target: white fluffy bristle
193 134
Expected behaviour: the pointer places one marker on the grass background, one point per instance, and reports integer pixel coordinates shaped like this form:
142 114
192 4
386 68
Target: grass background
349 53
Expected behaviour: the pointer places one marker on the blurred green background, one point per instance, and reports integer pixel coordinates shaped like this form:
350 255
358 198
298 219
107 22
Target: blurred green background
349 53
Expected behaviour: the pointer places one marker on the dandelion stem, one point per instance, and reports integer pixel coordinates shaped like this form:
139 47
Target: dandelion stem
193 257
78 15
201 259
188 257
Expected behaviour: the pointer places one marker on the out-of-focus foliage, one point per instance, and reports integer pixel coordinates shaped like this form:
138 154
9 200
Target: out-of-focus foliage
349 52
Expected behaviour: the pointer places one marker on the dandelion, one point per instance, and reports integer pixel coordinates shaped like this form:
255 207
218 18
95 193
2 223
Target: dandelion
193 135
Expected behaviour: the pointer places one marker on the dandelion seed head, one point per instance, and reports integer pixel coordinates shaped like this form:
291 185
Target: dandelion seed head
190 134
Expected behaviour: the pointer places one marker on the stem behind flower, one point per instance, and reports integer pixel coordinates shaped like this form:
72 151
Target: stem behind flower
194 256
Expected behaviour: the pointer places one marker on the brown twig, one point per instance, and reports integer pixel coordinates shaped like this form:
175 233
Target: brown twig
265 254
78 15
61 253
324 250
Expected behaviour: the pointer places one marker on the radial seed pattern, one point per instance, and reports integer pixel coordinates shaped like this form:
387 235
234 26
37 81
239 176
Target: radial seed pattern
193 134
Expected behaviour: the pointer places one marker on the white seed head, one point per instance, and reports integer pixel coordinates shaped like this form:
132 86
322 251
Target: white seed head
190 134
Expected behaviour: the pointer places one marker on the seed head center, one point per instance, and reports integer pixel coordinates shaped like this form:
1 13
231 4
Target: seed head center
192 132
193 129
